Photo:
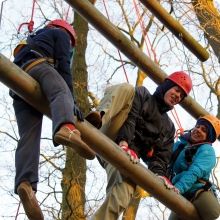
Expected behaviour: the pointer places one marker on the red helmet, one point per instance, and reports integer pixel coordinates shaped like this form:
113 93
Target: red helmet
182 79
63 24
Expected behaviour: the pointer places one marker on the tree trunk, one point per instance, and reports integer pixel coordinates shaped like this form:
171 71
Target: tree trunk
131 211
74 175
209 18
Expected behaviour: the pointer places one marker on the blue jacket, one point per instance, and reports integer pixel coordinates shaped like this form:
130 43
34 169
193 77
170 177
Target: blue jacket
53 43
187 175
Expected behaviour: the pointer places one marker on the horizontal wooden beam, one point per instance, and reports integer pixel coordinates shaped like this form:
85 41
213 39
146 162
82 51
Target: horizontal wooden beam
177 29
26 87
121 42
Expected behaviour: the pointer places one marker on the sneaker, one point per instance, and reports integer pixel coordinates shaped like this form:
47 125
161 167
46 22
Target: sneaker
71 138
29 201
95 119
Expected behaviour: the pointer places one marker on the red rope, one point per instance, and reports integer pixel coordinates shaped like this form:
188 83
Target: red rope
180 129
118 50
29 24
144 32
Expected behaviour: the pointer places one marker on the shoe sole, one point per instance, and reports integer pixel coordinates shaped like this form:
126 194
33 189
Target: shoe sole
80 147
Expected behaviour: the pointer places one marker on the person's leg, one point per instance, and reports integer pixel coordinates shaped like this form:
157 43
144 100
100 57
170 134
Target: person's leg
61 104
173 216
27 154
119 194
207 205
116 104
54 87
27 157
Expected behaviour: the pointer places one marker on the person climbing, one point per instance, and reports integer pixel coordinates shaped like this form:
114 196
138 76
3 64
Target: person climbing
191 165
138 122
45 56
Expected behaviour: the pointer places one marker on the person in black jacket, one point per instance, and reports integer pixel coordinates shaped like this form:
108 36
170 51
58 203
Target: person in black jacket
138 122
46 57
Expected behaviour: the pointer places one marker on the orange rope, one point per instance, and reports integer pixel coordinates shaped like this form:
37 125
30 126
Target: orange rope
118 50
180 129
145 33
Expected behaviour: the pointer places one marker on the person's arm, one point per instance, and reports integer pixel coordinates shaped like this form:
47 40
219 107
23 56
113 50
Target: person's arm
202 165
127 131
158 163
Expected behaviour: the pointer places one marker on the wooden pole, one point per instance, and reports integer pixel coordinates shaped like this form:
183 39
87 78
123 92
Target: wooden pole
26 87
176 28
114 35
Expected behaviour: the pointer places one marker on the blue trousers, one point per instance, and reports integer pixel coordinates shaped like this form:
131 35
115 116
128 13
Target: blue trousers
29 121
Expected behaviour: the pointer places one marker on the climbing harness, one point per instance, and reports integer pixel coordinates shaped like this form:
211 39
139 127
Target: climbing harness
189 153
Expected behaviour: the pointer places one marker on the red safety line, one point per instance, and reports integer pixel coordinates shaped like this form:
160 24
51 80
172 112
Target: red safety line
144 32
118 50
180 129
29 24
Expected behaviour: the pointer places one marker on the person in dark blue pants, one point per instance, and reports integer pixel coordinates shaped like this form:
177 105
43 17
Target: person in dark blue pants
46 57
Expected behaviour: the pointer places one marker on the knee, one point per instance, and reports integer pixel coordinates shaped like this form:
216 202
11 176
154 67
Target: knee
207 206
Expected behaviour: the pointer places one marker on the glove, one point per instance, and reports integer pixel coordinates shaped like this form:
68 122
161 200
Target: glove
78 113
131 153
168 184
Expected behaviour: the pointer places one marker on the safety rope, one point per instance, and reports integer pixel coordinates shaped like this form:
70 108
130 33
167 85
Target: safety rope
29 24
180 129
106 11
145 33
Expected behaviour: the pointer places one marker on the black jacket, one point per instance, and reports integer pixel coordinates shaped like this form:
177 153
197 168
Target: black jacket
148 126
53 43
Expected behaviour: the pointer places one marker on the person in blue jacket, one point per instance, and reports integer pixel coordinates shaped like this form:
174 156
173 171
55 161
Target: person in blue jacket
46 57
192 163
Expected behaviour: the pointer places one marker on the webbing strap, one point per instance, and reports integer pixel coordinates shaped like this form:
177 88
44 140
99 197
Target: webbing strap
29 65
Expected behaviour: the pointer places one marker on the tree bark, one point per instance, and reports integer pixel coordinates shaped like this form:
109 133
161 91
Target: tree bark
74 175
209 19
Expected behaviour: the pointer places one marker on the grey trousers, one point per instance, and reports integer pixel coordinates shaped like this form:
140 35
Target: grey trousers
207 206
116 104
29 121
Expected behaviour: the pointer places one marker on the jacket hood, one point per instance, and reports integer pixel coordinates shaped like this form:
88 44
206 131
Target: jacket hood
159 95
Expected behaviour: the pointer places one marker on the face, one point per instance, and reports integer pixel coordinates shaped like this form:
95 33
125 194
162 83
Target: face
199 134
173 96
